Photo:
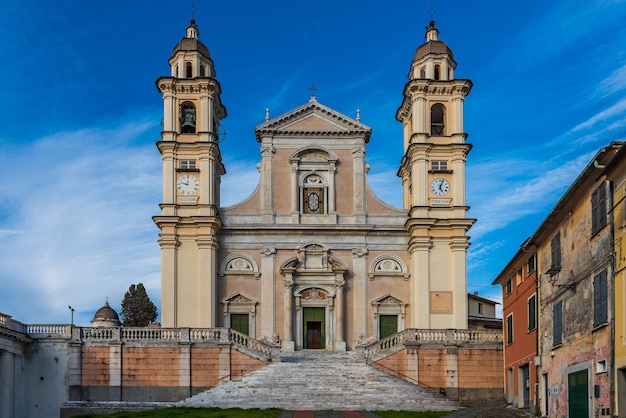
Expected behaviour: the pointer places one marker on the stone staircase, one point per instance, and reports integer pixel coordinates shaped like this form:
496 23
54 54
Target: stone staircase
321 380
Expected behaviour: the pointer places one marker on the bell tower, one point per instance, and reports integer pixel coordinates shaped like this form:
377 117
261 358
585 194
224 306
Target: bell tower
192 169
433 178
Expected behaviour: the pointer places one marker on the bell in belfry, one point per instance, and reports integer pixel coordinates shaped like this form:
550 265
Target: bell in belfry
187 119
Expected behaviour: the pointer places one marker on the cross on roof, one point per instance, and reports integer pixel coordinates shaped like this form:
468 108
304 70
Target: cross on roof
193 10
432 12
312 92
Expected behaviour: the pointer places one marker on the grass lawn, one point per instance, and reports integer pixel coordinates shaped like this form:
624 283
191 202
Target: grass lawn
239 413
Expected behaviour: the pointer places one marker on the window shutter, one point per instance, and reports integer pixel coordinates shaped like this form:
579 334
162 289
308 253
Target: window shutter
556 250
532 313
557 322
598 209
600 299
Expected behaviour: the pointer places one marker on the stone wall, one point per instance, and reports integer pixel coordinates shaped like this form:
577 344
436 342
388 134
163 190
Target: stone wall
466 364
157 365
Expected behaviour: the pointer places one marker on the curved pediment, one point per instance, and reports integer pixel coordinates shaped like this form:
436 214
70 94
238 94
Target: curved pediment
313 118
313 155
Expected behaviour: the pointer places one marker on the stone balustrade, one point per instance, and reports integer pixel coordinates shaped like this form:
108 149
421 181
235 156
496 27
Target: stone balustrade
49 330
6 321
141 335
370 351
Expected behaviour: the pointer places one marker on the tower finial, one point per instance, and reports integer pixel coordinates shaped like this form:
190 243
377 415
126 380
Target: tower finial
432 14
193 11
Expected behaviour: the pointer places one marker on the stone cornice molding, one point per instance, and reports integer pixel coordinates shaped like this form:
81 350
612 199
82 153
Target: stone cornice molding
15 336
395 231
457 88
420 244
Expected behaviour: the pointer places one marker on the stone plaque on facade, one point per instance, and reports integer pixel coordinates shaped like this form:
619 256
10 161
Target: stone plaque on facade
441 302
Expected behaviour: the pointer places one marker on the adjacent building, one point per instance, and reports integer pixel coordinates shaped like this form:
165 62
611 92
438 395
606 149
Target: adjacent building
481 313
565 273
519 320
616 174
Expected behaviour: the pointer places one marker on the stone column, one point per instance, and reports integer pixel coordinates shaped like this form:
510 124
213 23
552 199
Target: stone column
115 366
340 344
7 388
184 364
419 176
169 281
266 192
207 283
75 366
295 187
288 343
268 291
359 291
332 205
419 114
358 155
419 247
458 271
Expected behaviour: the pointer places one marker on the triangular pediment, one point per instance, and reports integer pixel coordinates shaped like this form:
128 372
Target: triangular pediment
313 118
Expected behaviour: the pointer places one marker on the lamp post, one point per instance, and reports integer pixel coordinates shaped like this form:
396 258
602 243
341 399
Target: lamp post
72 313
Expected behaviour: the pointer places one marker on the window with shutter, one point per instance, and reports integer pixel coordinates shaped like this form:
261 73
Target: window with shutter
598 209
532 313
555 248
600 299
557 324
509 329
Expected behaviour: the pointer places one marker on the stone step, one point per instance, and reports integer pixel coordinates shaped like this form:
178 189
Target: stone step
319 380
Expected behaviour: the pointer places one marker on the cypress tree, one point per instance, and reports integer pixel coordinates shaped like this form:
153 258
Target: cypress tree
137 308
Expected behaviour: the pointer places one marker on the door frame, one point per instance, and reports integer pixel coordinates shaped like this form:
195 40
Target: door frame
325 299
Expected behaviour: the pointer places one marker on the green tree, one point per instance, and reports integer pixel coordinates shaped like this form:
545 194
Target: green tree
137 308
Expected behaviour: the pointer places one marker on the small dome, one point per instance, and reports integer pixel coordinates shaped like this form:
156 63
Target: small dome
106 317
432 47
191 42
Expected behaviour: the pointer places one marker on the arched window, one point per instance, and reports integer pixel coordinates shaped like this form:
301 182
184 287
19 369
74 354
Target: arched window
437 118
422 72
202 70
188 72
437 72
314 195
187 118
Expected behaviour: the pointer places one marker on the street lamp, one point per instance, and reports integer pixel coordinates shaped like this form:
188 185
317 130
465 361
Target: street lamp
72 313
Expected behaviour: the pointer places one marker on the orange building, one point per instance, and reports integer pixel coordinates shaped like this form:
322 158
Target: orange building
519 316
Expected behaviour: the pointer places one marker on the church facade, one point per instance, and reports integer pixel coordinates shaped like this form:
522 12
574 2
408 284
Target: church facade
313 259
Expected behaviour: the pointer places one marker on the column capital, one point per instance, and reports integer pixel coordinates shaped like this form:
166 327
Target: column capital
359 252
268 251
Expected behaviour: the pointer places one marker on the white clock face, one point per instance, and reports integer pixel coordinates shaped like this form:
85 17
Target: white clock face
439 186
187 184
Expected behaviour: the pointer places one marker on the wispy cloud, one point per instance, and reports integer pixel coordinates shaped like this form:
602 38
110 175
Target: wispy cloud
79 224
502 198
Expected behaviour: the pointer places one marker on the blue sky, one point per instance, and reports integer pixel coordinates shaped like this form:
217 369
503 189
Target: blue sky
79 116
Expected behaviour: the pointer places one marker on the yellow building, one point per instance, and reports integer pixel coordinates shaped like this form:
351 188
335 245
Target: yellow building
616 173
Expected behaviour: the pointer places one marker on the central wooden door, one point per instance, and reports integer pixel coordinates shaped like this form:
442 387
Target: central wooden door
578 394
314 328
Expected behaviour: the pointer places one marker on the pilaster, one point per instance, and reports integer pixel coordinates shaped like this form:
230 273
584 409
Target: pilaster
268 291
359 291
7 388
288 342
